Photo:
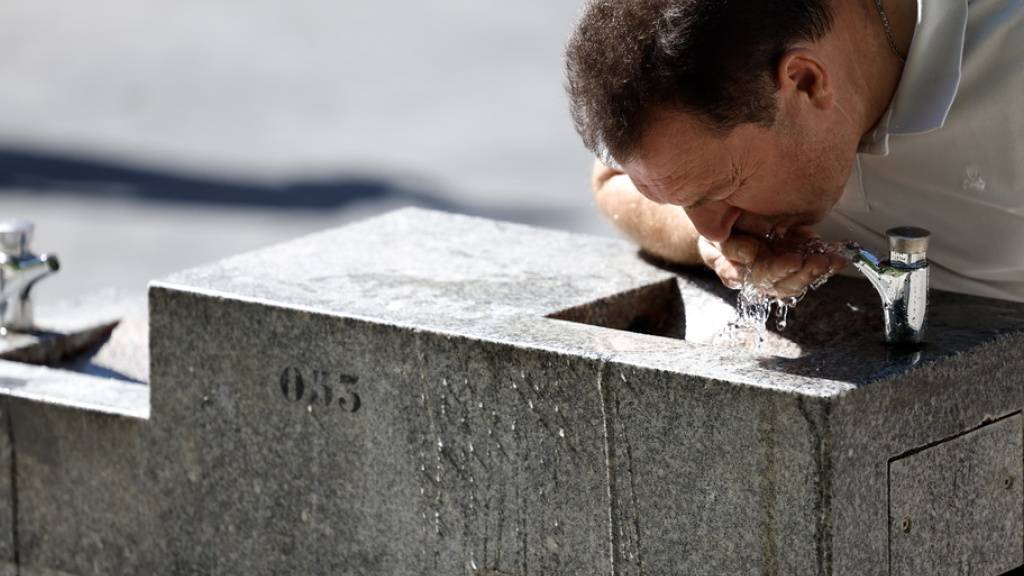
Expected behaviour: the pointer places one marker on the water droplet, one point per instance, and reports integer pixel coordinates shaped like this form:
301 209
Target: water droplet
440 444
973 181
781 317
530 404
561 432
820 282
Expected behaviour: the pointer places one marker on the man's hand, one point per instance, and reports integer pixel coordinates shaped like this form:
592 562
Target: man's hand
782 268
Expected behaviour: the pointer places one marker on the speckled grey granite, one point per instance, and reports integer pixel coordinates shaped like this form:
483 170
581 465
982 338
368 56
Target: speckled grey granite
425 393
124 353
96 344
93 355
934 494
8 557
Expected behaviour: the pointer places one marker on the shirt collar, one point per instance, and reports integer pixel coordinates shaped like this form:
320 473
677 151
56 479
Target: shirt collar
930 77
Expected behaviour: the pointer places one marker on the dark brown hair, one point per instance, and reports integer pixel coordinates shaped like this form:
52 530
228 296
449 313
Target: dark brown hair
715 59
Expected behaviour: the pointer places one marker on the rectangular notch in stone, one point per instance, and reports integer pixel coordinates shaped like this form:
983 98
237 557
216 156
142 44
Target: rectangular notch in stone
956 507
655 309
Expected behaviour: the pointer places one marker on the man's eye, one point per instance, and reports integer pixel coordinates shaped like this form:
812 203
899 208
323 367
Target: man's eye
722 196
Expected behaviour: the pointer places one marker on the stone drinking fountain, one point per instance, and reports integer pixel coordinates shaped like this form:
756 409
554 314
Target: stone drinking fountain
423 393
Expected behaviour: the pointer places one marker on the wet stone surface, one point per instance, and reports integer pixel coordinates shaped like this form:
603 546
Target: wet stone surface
425 393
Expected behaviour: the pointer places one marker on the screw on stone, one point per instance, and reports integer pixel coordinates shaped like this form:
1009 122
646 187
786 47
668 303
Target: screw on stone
906 524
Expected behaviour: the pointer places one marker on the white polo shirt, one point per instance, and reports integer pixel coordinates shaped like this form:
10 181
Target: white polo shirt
949 153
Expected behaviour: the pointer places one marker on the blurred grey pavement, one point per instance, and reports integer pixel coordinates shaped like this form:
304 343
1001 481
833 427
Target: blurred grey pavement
146 136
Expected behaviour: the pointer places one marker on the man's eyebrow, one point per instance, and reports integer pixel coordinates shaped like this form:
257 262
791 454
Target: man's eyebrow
711 192
714 190
698 203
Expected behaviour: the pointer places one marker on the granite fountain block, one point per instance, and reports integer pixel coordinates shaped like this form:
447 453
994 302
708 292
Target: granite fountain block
8 555
424 393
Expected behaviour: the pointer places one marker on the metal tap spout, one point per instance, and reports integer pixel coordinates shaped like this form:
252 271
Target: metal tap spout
20 270
901 282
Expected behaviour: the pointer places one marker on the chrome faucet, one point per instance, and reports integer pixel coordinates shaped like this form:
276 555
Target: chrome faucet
901 281
20 269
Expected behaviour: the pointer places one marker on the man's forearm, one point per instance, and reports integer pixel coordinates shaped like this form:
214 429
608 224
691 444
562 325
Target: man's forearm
661 229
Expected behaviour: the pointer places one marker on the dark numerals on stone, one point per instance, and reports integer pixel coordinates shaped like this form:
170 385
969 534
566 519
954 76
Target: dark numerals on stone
320 389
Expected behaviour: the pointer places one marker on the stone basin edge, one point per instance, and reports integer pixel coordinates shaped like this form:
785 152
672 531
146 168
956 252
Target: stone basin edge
686 360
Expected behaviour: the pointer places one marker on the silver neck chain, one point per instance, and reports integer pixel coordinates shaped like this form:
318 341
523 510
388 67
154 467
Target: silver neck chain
888 31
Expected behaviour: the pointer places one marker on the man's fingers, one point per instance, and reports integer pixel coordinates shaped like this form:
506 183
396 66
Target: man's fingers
771 270
741 249
709 252
744 258
730 273
814 267
836 263
795 285
817 265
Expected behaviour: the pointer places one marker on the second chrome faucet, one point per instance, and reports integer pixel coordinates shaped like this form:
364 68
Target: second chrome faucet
20 269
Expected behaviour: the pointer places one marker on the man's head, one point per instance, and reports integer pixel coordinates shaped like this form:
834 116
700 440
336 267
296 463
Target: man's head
744 113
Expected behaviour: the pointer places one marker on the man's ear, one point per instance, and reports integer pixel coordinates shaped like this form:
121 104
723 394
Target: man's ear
802 73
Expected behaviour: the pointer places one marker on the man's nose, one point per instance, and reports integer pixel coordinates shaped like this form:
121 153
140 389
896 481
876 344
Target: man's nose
714 220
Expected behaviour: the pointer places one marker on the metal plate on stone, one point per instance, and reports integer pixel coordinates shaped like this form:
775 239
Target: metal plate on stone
957 507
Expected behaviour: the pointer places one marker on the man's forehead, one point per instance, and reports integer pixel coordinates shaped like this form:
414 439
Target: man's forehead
675 141
684 175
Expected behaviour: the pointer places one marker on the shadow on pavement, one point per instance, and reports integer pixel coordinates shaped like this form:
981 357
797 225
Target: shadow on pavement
43 172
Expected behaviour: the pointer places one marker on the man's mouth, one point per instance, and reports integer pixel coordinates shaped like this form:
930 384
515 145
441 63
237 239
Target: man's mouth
764 229
777 229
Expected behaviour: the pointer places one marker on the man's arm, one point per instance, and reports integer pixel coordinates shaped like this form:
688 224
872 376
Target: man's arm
665 231
661 229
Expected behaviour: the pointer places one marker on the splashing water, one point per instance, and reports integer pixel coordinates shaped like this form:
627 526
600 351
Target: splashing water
756 305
